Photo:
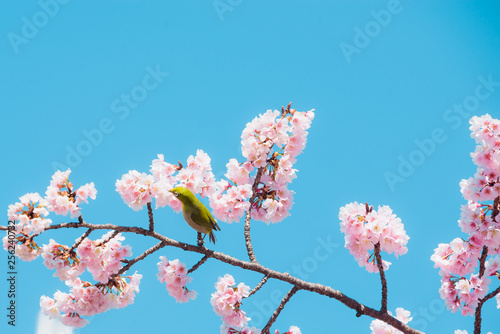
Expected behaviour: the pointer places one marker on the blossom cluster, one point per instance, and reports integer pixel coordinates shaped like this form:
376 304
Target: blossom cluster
85 299
291 330
226 301
62 197
102 258
174 274
138 189
226 329
380 327
30 215
270 143
461 289
364 228
458 331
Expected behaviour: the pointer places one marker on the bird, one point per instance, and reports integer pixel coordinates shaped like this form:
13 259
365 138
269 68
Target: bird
195 213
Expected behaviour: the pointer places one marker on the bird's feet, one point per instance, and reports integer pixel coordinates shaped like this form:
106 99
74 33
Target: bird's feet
200 240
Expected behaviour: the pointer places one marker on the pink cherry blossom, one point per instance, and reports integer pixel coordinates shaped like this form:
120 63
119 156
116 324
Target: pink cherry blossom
291 330
62 196
134 188
174 274
227 299
229 203
56 257
380 327
103 257
85 299
226 329
30 214
26 250
363 230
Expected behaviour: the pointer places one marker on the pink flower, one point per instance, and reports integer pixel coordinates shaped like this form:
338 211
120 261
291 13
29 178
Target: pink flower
85 299
134 188
291 330
55 257
62 197
30 214
174 274
363 230
380 327
229 203
103 257
227 299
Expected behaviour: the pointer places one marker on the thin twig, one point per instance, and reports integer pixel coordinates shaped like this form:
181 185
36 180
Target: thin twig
149 251
150 215
258 286
477 313
380 266
248 215
114 234
482 261
320 289
80 219
200 240
198 264
277 312
496 208
79 241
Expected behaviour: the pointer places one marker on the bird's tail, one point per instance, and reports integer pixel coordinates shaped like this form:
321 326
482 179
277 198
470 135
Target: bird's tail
211 236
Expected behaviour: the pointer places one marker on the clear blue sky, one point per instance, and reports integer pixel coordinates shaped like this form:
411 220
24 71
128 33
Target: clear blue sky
71 75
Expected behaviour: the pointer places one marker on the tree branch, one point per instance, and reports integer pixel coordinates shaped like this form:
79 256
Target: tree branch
140 257
198 264
482 261
248 240
477 313
382 278
277 312
79 241
258 286
252 266
248 215
150 215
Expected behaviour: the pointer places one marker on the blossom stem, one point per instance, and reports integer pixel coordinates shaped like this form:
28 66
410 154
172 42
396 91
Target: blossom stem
150 215
380 266
198 264
130 263
277 312
482 261
248 216
79 241
258 286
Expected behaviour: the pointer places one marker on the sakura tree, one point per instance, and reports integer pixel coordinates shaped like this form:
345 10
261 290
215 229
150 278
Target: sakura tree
256 188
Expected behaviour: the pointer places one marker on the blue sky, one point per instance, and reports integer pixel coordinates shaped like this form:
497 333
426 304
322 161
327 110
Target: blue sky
86 69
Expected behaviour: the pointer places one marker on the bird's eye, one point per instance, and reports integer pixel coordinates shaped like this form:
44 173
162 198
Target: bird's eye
176 193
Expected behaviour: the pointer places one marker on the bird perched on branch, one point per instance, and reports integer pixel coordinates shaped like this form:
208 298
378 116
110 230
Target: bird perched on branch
195 213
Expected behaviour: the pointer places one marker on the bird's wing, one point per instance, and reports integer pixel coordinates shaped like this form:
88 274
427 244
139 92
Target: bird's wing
205 218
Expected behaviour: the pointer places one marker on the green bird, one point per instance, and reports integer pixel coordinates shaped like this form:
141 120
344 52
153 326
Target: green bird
195 213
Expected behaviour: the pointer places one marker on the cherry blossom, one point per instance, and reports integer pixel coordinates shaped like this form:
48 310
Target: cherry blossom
30 214
227 299
380 327
363 230
85 299
270 143
174 274
62 197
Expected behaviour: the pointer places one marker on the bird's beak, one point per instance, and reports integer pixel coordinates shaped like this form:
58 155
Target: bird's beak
170 191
